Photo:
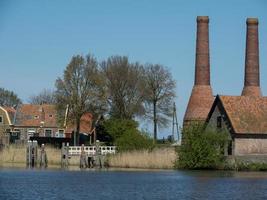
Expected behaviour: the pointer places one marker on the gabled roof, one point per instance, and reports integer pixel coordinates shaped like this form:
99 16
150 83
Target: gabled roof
11 113
247 114
36 115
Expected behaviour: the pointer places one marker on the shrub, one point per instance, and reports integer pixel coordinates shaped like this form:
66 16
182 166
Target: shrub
201 148
126 136
133 140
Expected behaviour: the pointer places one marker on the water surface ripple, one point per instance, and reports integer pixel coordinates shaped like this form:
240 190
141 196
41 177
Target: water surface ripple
18 184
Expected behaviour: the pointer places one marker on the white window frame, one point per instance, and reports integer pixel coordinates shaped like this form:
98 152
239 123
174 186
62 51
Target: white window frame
30 132
61 130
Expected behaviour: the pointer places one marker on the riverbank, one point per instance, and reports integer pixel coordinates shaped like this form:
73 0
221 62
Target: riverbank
15 155
158 158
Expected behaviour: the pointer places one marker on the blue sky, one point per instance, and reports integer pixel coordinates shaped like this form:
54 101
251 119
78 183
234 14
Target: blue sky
38 38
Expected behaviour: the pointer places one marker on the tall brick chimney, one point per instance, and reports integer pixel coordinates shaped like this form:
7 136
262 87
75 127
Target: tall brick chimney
201 98
252 74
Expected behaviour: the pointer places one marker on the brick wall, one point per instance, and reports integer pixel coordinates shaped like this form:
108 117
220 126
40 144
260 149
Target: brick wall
248 146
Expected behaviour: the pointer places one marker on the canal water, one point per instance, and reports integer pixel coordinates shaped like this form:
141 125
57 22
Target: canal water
25 184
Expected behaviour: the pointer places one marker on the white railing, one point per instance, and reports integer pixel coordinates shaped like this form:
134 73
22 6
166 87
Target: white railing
91 150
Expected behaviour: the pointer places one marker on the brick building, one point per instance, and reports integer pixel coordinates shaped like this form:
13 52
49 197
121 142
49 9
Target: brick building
29 120
244 117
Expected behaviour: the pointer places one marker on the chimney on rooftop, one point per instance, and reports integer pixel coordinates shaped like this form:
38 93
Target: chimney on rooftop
252 74
201 98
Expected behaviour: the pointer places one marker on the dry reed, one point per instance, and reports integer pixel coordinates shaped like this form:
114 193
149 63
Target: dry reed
16 155
159 158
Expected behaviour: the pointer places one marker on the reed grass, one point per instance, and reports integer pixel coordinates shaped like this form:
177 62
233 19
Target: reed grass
159 158
16 155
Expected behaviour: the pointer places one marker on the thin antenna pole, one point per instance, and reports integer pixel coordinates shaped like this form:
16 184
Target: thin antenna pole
175 123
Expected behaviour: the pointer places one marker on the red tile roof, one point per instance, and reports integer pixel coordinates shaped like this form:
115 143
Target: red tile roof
247 114
33 115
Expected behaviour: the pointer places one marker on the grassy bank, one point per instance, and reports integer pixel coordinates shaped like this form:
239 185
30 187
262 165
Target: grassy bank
159 158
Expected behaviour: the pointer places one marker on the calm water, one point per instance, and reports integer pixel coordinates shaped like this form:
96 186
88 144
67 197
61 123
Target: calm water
114 185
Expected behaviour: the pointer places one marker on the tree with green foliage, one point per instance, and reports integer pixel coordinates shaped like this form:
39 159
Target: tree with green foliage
8 98
201 148
80 90
159 95
126 136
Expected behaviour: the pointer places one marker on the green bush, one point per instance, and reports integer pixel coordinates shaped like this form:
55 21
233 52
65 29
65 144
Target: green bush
201 148
133 140
126 136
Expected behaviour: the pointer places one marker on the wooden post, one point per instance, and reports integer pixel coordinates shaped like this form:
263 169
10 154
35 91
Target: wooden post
65 155
43 157
31 156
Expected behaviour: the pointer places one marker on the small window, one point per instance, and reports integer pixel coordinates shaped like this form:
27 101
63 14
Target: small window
17 130
48 133
14 134
50 116
8 130
36 117
219 122
61 131
1 119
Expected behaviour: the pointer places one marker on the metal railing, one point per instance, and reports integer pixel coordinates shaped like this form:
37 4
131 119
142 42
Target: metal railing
91 150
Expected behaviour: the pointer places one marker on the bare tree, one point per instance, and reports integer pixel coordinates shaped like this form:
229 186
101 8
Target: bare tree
8 98
82 89
160 93
125 84
46 96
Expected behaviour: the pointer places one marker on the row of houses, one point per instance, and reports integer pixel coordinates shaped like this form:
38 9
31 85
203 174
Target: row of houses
28 120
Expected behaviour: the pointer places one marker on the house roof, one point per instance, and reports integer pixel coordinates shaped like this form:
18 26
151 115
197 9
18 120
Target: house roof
11 113
85 124
36 115
247 114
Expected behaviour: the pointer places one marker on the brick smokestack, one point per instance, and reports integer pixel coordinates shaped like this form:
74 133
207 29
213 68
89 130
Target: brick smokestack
252 74
201 98
202 68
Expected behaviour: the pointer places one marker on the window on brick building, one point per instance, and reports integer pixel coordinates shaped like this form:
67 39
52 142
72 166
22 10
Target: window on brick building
48 133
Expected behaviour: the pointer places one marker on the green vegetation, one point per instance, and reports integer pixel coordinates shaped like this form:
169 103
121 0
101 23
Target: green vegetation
201 148
246 166
126 136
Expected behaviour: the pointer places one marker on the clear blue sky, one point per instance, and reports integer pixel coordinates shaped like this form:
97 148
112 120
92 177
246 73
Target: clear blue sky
38 38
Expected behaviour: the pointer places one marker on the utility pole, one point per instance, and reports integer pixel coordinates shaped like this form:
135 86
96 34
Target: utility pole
175 123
